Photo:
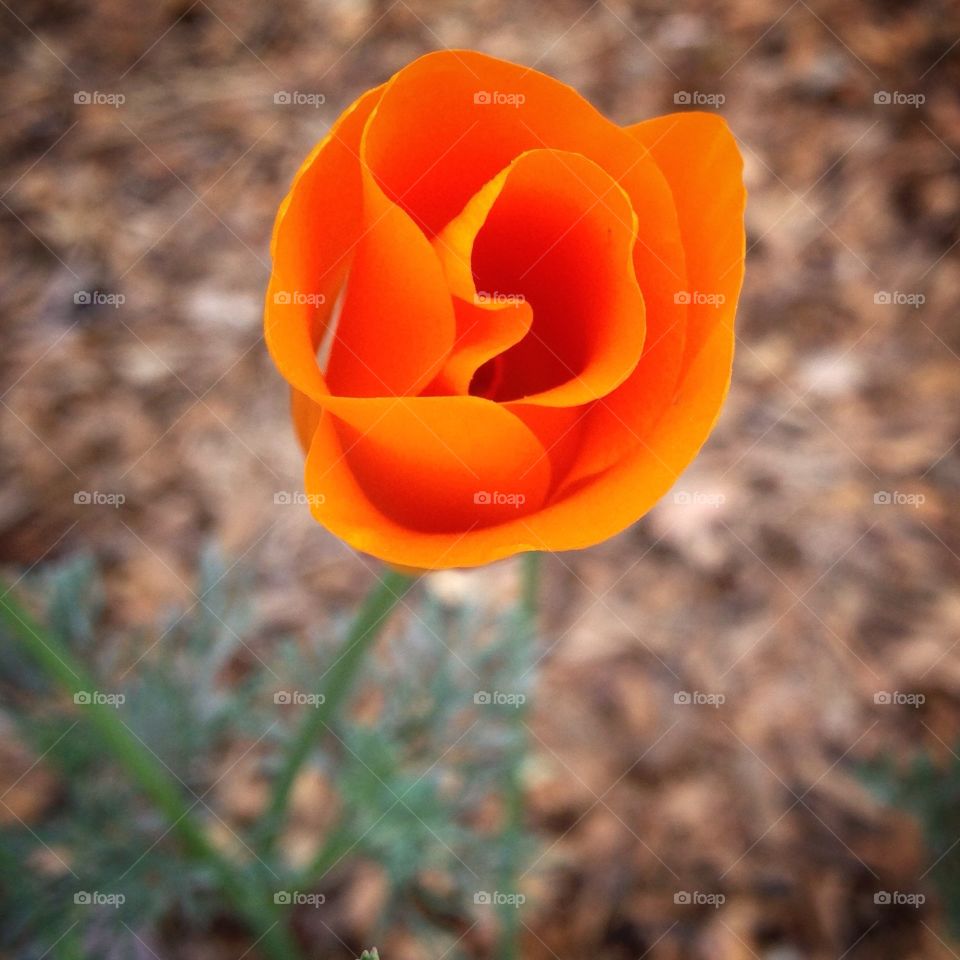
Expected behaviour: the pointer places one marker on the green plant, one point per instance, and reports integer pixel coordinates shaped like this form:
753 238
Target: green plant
930 791
137 815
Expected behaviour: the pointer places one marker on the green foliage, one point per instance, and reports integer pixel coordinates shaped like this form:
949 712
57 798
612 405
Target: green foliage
414 772
930 792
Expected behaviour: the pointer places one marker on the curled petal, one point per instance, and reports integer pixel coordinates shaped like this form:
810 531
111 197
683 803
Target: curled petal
484 330
425 464
317 229
397 324
554 231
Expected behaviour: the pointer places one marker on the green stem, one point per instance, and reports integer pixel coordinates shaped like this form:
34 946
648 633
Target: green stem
338 682
530 592
513 799
251 899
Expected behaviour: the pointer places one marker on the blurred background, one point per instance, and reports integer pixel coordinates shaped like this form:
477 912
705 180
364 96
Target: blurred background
743 725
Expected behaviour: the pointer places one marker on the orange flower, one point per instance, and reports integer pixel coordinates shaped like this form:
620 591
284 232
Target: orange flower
507 322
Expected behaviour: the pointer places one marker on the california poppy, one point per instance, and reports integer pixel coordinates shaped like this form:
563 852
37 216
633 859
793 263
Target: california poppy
507 322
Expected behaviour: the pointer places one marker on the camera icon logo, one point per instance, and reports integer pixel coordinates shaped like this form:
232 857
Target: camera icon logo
482 497
282 897
882 897
282 96
82 497
83 298
482 696
682 297
482 97
82 697
882 697
882 497
682 97
81 96
282 298
682 697
681 897
282 696
882 96
481 896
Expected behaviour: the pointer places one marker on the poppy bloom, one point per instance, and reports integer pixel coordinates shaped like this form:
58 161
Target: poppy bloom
507 322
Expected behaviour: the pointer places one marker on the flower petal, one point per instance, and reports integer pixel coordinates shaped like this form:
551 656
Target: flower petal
699 157
484 330
390 470
600 508
316 231
554 230
397 324
454 146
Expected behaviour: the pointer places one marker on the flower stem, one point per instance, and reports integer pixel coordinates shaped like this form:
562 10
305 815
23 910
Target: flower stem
338 682
249 897
513 800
